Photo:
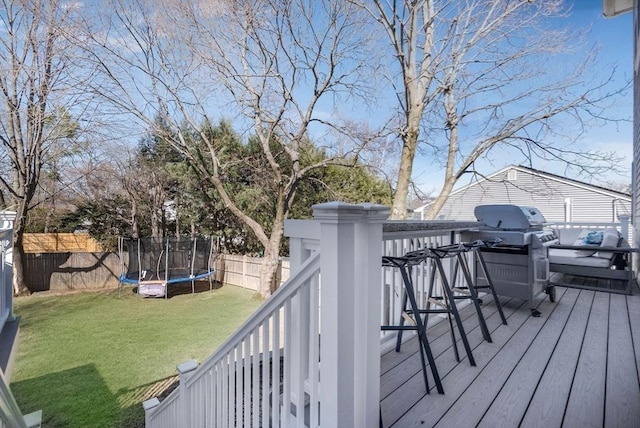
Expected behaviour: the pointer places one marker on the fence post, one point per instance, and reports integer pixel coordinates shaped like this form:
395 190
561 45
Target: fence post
351 249
244 271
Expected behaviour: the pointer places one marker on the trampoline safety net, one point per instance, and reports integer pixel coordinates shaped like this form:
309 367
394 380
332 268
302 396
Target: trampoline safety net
154 264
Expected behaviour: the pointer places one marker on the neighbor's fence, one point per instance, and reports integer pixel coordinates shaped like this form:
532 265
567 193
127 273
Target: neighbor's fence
60 243
67 261
58 271
71 271
244 271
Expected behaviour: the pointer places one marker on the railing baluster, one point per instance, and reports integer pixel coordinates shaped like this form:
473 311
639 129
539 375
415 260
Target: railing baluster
314 354
285 404
275 378
255 381
246 381
266 370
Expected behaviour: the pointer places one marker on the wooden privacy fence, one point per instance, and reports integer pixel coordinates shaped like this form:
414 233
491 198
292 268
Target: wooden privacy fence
244 271
71 271
67 261
60 243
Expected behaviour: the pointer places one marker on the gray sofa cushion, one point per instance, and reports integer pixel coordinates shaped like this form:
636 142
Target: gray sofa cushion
611 238
590 256
588 251
564 257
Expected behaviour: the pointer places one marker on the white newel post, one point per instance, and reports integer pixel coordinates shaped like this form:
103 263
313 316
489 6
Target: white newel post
624 226
148 406
7 218
351 253
185 370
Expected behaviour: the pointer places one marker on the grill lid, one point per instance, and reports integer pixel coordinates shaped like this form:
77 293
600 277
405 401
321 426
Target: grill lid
509 217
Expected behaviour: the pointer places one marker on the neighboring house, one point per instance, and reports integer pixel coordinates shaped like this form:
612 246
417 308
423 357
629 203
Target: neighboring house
560 199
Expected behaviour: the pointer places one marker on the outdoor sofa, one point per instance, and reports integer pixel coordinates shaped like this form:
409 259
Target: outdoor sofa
602 255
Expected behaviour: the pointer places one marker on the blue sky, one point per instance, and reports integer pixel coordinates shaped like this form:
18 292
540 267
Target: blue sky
614 37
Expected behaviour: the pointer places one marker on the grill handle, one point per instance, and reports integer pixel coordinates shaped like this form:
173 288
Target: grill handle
545 269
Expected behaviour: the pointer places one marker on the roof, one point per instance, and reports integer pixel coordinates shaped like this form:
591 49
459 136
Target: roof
544 174
616 7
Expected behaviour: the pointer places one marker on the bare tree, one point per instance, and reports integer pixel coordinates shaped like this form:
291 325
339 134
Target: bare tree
482 74
279 67
37 81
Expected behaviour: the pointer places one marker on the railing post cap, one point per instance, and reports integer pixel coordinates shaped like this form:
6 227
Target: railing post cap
33 420
150 403
187 366
376 211
349 212
6 219
8 215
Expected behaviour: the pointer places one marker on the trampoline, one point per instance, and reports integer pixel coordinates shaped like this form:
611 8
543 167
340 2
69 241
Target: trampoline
154 265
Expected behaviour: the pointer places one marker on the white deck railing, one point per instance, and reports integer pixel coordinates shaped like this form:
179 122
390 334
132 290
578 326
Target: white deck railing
274 364
273 371
6 267
10 414
6 276
623 226
250 377
400 238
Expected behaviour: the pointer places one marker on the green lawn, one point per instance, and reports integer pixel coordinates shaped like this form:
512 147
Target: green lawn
87 360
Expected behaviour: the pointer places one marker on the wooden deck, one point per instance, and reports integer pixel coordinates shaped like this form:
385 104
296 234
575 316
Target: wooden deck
577 365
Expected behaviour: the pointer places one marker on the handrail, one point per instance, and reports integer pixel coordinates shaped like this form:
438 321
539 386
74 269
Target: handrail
9 411
286 291
6 277
275 303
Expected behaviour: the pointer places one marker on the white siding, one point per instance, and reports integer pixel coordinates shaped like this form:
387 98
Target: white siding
547 193
635 218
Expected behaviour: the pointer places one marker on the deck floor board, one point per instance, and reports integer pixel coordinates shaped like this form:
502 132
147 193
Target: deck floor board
549 401
576 365
587 397
622 408
540 335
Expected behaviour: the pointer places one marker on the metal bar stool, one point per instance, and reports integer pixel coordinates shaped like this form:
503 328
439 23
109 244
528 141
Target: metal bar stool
475 247
445 302
404 264
467 291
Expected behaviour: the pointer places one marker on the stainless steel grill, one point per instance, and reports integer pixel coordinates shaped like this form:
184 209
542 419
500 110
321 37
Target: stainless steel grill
518 266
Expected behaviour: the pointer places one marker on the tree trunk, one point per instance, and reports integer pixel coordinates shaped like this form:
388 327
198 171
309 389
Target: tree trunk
135 231
268 270
450 177
438 203
410 141
271 259
49 218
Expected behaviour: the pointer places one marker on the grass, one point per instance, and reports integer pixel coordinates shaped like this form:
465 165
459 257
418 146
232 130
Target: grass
90 359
